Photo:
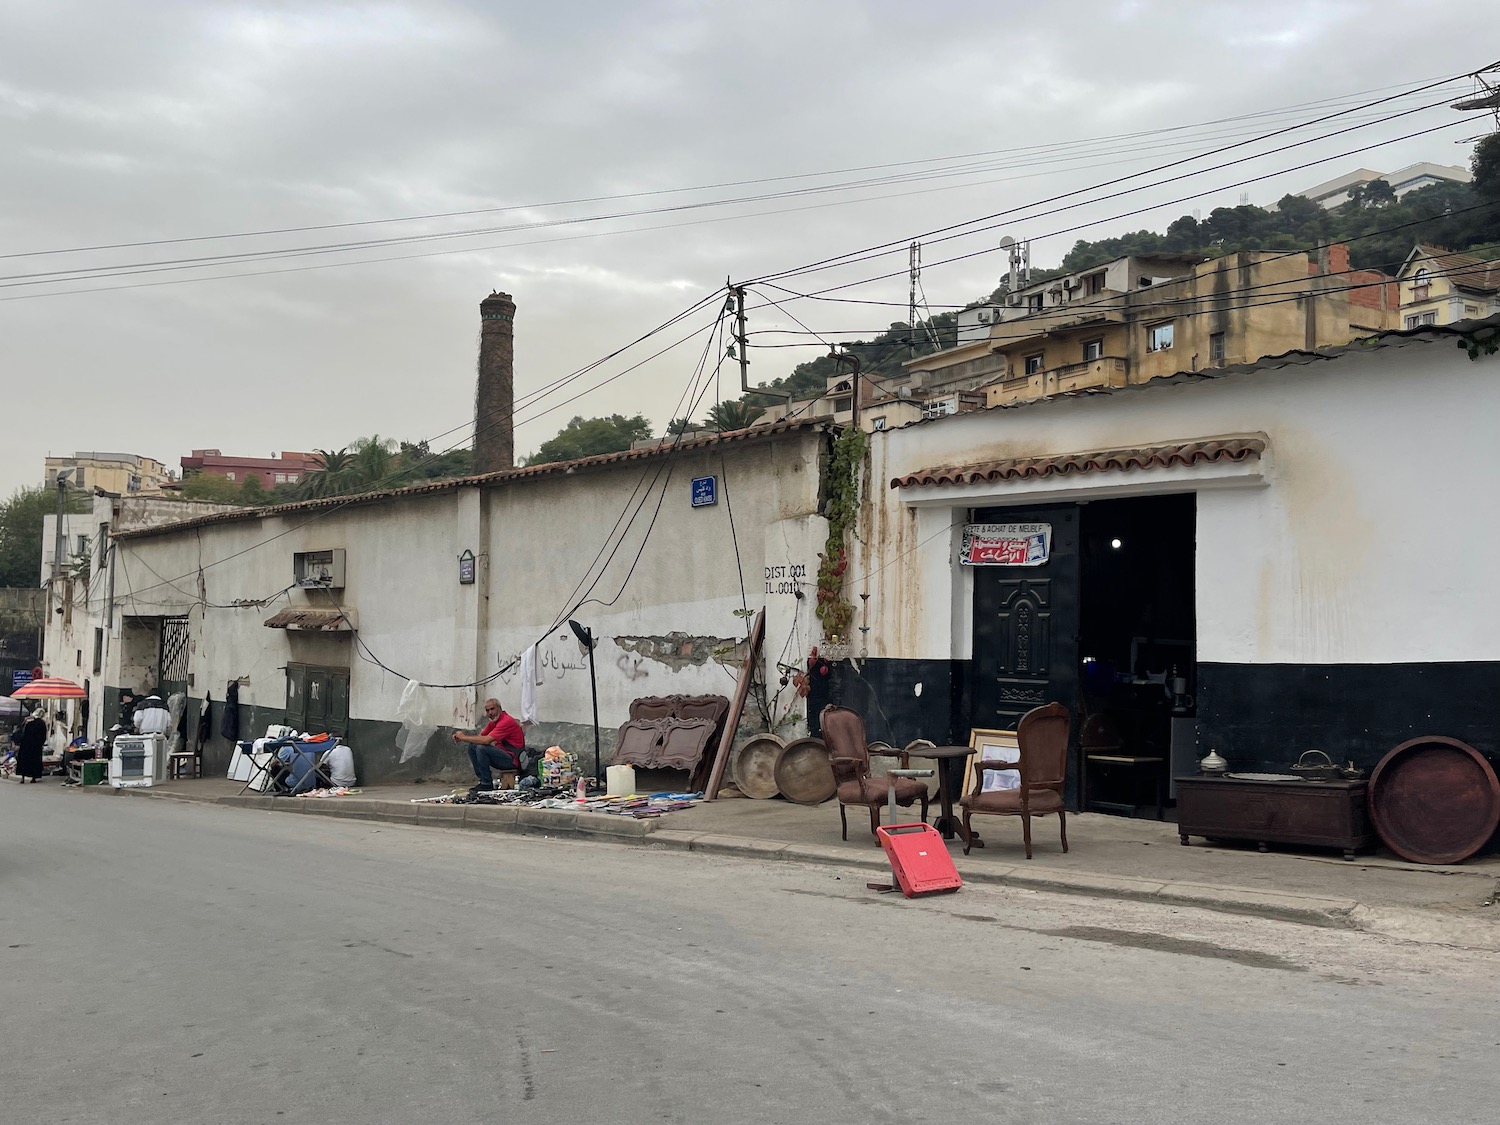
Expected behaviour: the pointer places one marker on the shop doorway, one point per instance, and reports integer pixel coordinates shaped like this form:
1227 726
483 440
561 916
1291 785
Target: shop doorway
1136 651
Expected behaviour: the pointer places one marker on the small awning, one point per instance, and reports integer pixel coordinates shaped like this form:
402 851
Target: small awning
302 618
1239 448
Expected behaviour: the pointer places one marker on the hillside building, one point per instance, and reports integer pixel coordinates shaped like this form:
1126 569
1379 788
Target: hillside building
1439 286
289 468
123 474
1149 315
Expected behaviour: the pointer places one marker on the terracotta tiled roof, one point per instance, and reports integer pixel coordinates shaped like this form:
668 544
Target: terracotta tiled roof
485 480
1238 448
1463 269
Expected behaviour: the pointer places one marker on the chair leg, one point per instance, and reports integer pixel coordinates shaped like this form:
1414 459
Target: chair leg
1026 833
844 821
924 808
968 833
874 820
1062 823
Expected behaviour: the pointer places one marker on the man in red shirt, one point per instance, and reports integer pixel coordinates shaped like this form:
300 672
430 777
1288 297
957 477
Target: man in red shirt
497 746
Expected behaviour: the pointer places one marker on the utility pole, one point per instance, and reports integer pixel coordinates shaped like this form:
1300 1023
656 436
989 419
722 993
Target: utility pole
741 337
58 538
914 270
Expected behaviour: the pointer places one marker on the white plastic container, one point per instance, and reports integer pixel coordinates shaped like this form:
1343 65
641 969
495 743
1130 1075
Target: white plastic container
619 781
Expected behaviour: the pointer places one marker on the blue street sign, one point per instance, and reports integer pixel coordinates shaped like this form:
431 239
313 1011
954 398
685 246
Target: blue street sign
19 677
705 491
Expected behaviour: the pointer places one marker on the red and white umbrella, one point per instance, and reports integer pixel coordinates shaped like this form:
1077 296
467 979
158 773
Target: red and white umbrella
50 687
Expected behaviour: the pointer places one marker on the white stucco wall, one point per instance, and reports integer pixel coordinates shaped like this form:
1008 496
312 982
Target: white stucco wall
1367 534
534 540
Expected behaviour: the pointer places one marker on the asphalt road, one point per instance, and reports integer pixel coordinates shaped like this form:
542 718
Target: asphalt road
165 962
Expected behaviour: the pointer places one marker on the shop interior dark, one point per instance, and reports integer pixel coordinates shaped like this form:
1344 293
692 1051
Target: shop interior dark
1136 630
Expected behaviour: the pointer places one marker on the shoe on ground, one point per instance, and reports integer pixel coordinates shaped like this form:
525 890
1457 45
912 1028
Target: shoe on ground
481 788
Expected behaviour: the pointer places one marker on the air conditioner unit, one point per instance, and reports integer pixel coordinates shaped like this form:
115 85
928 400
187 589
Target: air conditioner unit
319 570
983 316
1014 300
1073 283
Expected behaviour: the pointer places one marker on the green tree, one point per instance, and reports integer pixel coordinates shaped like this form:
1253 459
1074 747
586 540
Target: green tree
733 414
420 463
251 492
1486 167
1379 229
21 531
211 486
586 437
374 465
678 426
1379 193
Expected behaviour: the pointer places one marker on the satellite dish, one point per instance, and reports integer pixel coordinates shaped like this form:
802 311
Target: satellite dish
1007 242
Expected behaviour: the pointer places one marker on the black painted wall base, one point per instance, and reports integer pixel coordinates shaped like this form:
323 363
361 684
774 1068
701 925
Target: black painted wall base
885 692
1262 716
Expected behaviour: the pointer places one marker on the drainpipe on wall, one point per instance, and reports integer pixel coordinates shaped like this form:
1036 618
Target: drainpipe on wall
482 591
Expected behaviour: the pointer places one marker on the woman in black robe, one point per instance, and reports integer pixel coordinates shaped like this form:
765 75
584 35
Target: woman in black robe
29 753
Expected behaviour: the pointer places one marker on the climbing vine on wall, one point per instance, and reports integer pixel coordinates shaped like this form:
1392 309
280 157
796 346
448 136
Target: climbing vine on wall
845 466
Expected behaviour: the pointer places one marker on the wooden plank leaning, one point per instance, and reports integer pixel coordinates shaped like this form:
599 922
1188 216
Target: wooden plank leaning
736 707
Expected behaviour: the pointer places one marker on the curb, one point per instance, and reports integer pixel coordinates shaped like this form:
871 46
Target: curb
1304 909
484 818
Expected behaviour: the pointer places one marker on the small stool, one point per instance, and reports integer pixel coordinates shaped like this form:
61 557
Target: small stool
181 758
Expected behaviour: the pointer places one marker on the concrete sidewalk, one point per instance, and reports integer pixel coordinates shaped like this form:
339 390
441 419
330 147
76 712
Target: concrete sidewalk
1109 856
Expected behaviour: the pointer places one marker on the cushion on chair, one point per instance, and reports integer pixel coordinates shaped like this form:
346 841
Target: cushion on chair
908 789
1009 801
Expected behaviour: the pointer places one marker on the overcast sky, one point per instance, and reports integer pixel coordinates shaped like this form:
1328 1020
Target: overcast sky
179 119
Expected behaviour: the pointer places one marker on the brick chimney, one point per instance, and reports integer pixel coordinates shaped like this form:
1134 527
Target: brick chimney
495 389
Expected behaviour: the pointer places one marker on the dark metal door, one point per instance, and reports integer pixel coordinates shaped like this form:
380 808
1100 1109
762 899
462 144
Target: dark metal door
317 699
1026 627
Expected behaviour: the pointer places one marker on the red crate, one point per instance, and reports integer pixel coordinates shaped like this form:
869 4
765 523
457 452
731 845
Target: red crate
919 858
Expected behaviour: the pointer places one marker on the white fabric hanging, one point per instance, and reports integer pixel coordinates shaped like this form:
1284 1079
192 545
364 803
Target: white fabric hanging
529 681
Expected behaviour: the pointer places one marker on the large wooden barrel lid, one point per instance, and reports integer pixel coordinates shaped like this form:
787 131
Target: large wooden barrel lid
803 772
754 766
1434 800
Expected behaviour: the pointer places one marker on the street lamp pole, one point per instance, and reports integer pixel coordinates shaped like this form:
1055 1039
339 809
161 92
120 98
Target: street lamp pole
585 637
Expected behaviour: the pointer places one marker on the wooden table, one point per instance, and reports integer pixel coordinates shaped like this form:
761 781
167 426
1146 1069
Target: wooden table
948 758
1326 814
1156 763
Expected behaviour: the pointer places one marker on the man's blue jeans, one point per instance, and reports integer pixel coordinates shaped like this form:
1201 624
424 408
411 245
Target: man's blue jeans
487 758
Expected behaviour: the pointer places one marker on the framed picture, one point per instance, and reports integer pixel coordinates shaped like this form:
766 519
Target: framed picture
993 746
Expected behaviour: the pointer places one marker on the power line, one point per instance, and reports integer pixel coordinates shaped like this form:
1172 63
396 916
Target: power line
123 270
1126 214
1028 150
926 235
133 269
344 502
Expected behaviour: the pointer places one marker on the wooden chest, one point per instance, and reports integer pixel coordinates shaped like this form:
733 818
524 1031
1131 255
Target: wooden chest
1325 814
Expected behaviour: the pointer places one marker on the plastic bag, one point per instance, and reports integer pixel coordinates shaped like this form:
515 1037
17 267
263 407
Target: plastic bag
418 721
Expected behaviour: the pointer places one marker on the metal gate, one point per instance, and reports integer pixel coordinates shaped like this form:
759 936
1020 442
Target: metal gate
174 651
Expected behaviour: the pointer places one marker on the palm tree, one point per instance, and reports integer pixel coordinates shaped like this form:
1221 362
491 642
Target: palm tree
733 414
331 477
